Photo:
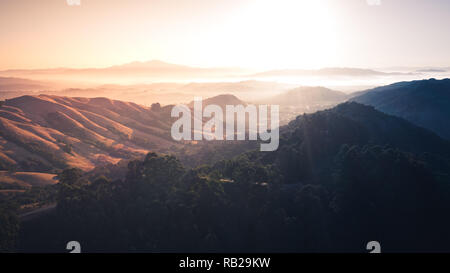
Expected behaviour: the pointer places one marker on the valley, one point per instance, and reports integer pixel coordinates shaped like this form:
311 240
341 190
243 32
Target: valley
60 155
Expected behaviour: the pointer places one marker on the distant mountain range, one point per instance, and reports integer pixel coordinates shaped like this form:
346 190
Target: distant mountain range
161 71
425 103
137 71
330 72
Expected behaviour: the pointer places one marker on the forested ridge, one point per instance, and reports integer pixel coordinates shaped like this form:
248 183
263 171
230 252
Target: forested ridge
340 178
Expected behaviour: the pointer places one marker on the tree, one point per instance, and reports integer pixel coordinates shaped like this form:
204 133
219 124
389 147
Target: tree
156 107
70 176
9 229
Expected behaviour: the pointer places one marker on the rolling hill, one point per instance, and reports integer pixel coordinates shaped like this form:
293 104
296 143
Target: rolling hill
11 87
42 133
304 99
19 84
303 96
221 100
27 179
425 103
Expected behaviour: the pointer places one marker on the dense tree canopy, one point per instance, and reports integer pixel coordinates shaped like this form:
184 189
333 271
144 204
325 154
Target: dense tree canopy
338 181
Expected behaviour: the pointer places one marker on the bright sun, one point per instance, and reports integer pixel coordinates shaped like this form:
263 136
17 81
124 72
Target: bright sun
280 34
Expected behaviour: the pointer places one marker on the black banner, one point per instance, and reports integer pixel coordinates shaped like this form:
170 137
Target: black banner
157 262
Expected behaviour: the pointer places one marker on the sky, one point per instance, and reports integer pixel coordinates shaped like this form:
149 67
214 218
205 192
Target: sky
261 34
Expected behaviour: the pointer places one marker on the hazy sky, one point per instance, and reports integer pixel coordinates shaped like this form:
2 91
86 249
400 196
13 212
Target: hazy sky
248 33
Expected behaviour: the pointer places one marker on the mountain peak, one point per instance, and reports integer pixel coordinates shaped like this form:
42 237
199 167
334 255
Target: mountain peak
222 100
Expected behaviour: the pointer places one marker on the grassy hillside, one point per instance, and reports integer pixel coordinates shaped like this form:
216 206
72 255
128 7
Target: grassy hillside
41 133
